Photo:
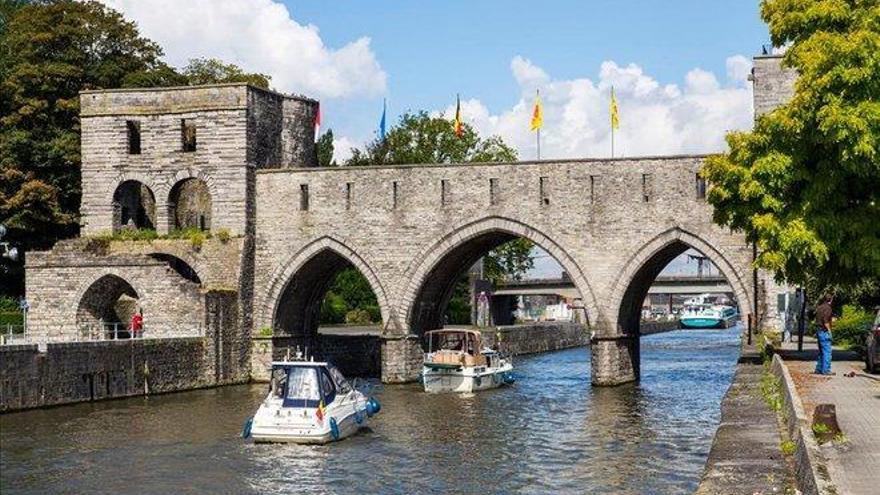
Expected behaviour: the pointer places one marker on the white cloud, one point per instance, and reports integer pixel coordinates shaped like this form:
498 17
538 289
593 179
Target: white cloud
259 36
655 119
342 146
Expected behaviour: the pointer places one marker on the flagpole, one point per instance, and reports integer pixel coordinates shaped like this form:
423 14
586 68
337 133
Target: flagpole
612 141
539 143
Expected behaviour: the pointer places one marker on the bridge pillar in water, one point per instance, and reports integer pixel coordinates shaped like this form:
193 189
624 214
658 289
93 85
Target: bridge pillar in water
614 359
402 358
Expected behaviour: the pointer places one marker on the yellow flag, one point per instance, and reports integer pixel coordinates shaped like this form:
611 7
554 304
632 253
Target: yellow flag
537 114
615 116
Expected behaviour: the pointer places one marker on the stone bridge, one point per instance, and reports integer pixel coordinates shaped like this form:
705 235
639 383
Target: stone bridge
238 162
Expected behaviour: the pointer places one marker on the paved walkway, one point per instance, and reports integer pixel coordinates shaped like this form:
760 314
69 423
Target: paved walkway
854 465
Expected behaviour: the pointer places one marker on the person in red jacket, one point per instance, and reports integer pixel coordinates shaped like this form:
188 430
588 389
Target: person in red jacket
137 324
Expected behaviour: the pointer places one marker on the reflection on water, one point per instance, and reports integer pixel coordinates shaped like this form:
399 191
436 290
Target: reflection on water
550 433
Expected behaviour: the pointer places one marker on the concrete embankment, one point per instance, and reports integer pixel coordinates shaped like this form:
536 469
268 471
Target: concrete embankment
746 457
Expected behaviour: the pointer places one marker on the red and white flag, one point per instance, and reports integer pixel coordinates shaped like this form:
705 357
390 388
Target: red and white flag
317 121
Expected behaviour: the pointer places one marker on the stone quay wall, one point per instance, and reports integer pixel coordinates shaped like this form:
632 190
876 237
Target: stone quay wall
536 337
85 371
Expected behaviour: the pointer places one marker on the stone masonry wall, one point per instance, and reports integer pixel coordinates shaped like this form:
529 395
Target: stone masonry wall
78 372
593 219
537 337
773 84
58 280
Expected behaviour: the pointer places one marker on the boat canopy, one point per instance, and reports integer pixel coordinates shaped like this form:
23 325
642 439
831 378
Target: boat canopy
307 384
467 341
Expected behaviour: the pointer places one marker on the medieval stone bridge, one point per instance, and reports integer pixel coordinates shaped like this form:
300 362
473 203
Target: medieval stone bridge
238 162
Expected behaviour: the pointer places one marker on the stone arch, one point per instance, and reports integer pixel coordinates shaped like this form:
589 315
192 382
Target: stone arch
109 299
134 204
185 269
315 261
190 204
640 270
463 246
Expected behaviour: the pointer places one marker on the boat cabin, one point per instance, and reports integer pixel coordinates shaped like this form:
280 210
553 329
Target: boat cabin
455 348
307 384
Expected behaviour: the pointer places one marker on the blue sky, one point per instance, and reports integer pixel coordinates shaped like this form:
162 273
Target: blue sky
431 50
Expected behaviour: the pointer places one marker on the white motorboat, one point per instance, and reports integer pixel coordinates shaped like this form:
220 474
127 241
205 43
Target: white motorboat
309 402
456 362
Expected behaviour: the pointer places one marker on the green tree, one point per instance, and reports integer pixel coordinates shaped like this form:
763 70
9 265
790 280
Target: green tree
212 71
804 184
325 149
420 138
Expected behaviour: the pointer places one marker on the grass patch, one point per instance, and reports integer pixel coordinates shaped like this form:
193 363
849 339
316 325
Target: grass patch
266 332
771 391
788 447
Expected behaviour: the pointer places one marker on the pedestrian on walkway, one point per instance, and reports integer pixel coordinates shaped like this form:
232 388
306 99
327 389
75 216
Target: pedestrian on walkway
823 335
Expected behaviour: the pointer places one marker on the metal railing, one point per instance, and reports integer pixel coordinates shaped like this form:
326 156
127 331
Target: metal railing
50 334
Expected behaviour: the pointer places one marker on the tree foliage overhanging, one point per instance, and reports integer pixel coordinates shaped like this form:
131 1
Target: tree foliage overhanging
804 184
49 52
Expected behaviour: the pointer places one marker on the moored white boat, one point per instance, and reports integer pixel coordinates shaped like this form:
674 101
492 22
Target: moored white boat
309 402
456 362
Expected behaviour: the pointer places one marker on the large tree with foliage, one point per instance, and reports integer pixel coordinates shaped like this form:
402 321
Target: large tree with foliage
805 183
49 52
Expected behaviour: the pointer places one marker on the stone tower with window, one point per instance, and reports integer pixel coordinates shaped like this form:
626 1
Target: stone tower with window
184 158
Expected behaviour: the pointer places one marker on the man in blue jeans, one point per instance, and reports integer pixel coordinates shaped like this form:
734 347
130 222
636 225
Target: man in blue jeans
823 335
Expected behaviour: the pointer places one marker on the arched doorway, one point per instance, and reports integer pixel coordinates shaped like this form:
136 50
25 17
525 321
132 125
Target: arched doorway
106 307
134 206
329 307
189 205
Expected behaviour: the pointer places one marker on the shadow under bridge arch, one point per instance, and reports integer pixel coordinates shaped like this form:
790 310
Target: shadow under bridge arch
433 276
299 294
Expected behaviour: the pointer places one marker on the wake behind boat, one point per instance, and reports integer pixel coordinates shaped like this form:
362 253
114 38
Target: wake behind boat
309 402
456 362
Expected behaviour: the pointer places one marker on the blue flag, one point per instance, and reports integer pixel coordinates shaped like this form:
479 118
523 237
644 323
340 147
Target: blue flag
382 122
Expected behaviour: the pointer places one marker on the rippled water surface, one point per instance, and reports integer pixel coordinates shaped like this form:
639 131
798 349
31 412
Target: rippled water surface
550 433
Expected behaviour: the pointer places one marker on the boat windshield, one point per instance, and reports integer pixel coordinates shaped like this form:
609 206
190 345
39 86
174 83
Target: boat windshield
341 383
302 387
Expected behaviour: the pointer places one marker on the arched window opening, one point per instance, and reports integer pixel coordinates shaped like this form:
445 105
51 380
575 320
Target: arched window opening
134 207
106 308
189 205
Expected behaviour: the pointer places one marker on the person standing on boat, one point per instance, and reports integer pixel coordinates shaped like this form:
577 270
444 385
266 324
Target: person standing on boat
823 335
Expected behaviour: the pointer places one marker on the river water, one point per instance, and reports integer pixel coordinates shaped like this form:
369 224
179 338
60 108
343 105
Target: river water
550 433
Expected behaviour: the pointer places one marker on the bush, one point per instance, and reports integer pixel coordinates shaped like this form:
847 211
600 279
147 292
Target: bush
224 235
358 317
266 332
333 309
849 330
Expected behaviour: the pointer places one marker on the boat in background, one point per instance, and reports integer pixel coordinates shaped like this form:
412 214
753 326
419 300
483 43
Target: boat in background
698 312
309 402
457 362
